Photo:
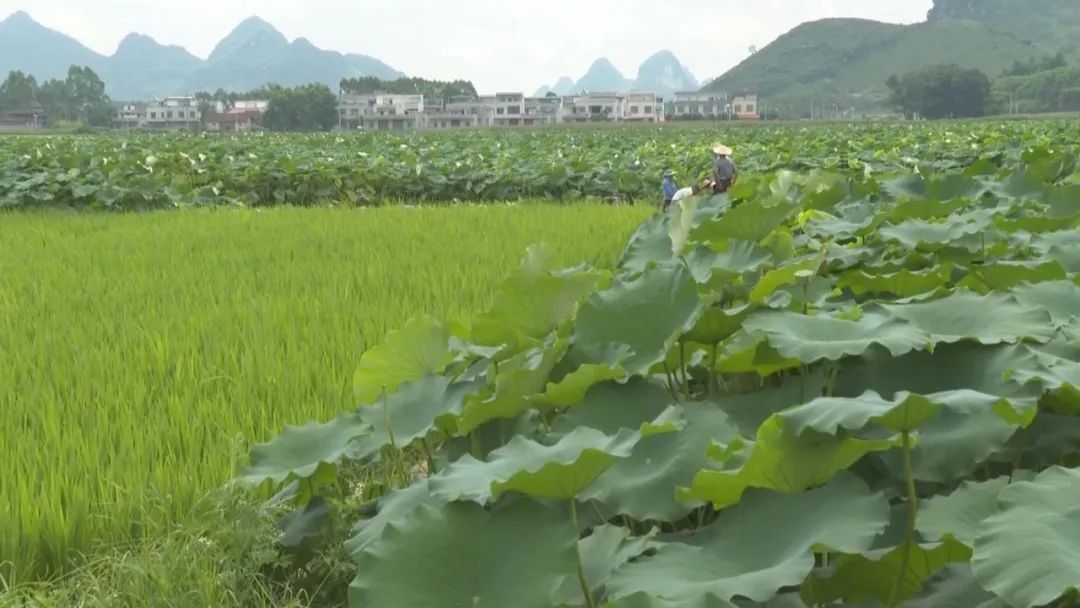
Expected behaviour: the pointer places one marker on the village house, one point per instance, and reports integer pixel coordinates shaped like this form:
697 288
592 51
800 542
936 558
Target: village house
235 120
744 105
18 120
129 116
642 107
173 114
701 105
381 112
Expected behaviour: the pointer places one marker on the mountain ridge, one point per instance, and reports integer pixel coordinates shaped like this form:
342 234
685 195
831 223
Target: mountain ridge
662 73
842 64
253 54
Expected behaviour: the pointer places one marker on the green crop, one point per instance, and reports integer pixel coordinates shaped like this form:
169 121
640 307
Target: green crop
135 350
824 389
154 171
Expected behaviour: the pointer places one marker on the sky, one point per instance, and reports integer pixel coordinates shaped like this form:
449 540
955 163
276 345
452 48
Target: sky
498 44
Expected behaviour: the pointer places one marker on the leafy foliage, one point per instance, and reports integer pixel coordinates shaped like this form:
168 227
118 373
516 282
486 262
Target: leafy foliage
819 388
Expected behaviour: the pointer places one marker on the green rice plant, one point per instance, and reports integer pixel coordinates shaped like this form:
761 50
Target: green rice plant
136 349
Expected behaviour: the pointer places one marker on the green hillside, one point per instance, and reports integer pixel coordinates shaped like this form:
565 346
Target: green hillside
1054 24
842 64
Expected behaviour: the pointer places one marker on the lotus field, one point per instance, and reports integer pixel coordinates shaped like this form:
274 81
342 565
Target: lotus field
853 380
148 171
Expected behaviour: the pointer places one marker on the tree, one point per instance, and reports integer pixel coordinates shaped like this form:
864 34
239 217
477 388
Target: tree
942 91
310 107
86 92
18 92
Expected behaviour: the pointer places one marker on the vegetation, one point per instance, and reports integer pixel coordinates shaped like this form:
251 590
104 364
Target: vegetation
80 97
432 89
137 350
943 91
852 381
837 64
308 108
140 172
823 389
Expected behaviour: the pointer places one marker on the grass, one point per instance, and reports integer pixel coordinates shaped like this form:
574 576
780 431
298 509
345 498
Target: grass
140 353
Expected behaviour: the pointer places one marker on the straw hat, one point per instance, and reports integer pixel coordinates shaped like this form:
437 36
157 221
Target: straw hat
721 149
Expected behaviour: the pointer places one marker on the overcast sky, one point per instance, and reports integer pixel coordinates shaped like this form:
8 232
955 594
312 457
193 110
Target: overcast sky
498 44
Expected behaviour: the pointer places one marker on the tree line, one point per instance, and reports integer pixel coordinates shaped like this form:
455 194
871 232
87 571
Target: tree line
78 97
1041 84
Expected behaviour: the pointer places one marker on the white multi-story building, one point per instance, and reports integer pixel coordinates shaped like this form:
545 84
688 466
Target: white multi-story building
381 112
642 107
701 105
173 113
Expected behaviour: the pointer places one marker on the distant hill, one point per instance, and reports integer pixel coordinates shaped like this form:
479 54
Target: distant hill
602 76
35 49
843 63
1053 24
252 55
142 68
661 73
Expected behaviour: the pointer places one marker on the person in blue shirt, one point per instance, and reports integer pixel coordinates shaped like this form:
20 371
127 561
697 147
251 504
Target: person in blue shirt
670 188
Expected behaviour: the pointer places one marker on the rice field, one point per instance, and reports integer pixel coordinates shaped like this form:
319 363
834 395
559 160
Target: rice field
140 354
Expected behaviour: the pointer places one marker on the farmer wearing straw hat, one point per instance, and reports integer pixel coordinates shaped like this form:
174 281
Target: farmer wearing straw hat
725 173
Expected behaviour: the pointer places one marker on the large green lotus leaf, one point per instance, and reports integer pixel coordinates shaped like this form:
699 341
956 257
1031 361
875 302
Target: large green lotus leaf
919 234
416 409
955 587
989 319
610 407
961 366
782 461
872 576
1036 224
391 509
460 556
1003 276
578 376
935 187
419 348
1029 552
560 471
1060 299
903 284
925 208
955 443
533 306
905 412
750 221
812 338
724 265
311 451
648 314
517 382
642 486
750 410
785 275
306 524
755 549
1050 440
649 245
750 352
604 551
718 324
960 515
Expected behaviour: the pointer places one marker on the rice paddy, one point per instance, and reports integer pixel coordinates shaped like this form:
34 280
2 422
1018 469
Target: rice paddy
140 354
